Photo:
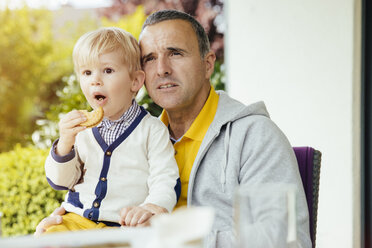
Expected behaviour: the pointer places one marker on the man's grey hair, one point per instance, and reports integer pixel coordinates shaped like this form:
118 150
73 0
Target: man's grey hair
164 15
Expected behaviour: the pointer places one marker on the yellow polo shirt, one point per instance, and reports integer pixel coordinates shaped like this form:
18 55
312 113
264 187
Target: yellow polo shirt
188 146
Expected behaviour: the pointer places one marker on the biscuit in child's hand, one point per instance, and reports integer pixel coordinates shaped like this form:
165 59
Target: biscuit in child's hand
93 118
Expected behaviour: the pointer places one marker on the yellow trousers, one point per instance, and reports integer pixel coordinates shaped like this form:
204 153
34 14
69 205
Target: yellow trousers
74 222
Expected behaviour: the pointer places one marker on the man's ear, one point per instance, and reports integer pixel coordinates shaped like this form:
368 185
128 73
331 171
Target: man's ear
209 60
138 80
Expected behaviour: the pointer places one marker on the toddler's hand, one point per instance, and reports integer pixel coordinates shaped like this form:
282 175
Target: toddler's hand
54 219
134 216
68 129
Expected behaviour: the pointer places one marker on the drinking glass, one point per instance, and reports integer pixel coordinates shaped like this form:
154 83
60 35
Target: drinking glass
265 216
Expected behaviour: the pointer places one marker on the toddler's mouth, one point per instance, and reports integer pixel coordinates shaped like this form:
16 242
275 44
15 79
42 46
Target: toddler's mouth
99 97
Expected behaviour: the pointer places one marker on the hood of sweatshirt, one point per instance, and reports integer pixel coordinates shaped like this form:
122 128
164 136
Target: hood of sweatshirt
228 111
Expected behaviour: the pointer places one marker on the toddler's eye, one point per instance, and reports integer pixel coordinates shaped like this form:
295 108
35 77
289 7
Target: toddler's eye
109 70
87 73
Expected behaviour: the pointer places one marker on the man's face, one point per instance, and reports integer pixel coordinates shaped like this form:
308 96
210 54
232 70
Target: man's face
176 76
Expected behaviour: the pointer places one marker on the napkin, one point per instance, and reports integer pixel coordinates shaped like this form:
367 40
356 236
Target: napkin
184 228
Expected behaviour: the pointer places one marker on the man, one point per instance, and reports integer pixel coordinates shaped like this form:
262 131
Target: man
220 143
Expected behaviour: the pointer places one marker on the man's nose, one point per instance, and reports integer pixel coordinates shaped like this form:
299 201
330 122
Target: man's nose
163 67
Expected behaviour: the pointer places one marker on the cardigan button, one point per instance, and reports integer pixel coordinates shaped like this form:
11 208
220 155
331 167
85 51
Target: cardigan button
108 153
103 179
96 204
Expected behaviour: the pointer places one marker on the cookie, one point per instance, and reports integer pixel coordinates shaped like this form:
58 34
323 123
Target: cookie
93 118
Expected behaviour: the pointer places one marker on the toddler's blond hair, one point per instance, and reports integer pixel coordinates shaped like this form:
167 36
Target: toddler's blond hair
104 40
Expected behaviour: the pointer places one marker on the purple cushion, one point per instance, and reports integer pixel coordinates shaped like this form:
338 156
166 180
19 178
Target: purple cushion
305 157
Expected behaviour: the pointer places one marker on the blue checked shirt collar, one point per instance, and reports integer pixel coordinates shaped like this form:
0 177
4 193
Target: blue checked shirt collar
111 130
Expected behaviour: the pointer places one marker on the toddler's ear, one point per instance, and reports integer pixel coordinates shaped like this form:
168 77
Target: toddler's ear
138 80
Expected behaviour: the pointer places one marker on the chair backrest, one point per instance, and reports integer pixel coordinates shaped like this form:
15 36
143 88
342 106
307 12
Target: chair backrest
309 161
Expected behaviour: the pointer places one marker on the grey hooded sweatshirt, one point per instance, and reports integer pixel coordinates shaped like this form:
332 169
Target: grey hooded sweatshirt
244 147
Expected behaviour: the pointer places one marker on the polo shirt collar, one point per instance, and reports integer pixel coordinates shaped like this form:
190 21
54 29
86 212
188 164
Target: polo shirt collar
202 122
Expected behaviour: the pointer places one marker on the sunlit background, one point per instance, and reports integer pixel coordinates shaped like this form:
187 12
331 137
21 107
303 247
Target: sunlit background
303 58
37 86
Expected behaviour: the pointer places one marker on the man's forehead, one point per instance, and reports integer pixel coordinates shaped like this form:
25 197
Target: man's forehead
170 33
169 28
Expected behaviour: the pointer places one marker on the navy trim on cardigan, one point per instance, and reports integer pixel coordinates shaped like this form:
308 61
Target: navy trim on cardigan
73 198
88 214
109 223
61 159
55 186
177 188
101 188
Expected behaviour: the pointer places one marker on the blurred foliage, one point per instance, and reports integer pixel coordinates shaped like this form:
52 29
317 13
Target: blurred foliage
218 78
131 23
70 97
31 65
208 12
145 100
25 196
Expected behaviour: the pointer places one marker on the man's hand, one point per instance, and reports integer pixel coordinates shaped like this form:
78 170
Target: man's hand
139 216
54 219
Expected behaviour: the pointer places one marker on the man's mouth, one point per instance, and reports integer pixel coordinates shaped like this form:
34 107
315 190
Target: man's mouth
165 86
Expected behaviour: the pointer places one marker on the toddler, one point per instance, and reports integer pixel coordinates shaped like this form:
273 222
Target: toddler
122 171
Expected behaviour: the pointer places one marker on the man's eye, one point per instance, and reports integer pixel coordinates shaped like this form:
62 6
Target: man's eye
174 53
148 59
87 73
109 70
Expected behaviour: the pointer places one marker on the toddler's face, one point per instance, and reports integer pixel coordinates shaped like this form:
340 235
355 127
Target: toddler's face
108 83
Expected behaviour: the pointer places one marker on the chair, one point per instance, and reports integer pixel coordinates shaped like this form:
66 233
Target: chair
309 165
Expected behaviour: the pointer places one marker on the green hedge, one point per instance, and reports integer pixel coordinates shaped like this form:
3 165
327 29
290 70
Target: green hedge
25 195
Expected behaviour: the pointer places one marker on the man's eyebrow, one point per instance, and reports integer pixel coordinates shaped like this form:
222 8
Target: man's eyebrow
172 49
176 49
146 56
